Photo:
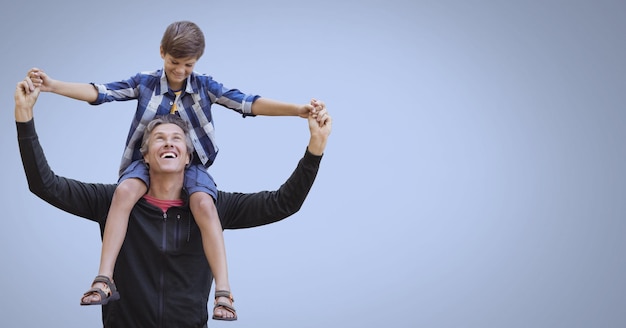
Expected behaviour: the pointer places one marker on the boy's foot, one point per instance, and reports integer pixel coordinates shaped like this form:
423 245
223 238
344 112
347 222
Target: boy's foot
102 291
223 309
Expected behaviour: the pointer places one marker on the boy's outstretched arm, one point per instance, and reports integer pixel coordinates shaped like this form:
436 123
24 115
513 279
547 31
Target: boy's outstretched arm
79 91
269 107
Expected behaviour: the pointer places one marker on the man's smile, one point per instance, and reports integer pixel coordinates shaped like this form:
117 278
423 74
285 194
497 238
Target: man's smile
169 154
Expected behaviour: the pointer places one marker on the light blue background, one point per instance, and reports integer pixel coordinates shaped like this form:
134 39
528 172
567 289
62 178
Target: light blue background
474 176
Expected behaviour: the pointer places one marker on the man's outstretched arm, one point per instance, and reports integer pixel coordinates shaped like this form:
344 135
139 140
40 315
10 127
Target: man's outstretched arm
87 200
246 210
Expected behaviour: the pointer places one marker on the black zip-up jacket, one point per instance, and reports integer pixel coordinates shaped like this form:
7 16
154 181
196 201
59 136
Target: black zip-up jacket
161 272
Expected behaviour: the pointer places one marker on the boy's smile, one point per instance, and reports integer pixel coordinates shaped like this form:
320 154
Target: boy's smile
177 70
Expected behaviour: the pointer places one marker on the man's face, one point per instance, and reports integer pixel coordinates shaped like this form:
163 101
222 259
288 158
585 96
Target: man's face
167 149
177 69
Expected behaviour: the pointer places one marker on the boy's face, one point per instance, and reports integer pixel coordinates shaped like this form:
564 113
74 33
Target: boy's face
177 69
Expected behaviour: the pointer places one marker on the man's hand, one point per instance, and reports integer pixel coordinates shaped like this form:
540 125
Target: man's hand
320 126
318 107
25 99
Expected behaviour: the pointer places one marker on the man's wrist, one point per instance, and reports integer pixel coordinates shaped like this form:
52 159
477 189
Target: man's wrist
23 114
317 146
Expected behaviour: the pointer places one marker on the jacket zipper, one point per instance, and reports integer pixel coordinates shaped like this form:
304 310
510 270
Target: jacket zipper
177 231
162 274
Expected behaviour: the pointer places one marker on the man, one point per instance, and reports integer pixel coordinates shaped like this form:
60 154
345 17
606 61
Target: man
163 276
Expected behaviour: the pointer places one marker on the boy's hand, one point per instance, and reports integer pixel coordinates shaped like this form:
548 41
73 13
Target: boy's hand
319 111
305 110
39 80
312 108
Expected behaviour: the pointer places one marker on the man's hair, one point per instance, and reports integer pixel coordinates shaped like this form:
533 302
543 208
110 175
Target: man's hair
183 39
166 119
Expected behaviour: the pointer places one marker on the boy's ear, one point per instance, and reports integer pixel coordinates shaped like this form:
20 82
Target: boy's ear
162 53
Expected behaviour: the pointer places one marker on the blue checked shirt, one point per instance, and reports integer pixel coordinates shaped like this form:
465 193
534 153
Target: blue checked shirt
194 106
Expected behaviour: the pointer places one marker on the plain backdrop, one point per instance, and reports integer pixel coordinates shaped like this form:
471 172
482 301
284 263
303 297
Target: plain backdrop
474 176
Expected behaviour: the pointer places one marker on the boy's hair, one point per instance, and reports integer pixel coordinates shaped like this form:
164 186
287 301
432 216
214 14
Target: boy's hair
183 39
166 119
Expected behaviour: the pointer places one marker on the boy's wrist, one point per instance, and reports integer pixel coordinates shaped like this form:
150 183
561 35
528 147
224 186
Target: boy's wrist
51 86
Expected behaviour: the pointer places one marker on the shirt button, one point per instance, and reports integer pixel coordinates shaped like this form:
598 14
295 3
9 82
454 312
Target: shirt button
171 103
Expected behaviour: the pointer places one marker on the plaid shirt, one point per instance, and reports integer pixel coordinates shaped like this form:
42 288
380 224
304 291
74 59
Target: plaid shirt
194 106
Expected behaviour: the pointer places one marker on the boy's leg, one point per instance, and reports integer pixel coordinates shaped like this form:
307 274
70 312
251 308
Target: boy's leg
207 219
127 193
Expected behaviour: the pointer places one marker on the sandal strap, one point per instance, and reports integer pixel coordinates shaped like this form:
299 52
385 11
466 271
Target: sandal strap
224 293
226 306
103 295
106 280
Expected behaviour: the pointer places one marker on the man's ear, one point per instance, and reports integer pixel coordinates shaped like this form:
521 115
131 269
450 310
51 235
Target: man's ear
189 158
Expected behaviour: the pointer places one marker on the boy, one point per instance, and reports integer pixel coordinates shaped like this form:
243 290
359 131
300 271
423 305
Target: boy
179 90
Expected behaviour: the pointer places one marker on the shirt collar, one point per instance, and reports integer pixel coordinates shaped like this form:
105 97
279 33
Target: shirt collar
189 88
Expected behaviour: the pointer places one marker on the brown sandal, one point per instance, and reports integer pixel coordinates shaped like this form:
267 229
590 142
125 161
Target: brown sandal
225 306
107 294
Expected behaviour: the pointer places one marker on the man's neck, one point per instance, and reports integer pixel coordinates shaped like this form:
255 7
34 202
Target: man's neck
165 187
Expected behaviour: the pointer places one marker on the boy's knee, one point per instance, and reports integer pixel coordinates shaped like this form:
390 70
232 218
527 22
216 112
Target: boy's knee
202 198
202 201
131 188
